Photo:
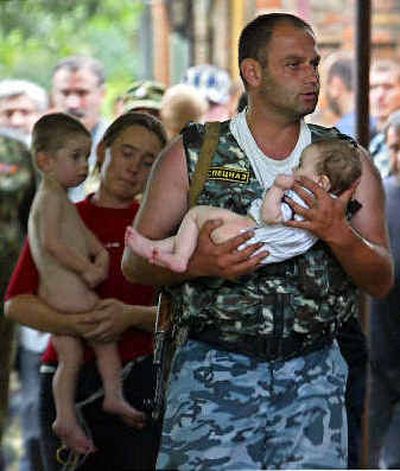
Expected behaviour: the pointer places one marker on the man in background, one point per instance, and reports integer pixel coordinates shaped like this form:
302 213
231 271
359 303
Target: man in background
384 392
22 103
181 104
339 90
78 88
384 99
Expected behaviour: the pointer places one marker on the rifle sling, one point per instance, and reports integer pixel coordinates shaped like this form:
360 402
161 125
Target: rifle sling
207 150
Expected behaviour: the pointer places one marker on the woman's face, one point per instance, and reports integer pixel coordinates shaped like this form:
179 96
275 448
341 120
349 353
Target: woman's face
127 163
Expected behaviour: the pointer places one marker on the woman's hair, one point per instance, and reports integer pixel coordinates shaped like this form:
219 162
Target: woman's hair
132 118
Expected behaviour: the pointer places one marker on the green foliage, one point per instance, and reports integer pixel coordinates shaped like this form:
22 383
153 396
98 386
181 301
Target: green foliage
36 34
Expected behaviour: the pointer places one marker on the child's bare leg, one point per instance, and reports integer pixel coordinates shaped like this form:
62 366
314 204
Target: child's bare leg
110 370
145 247
66 425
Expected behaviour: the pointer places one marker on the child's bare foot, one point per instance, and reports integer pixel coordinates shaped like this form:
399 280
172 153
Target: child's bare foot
71 434
168 260
125 411
138 244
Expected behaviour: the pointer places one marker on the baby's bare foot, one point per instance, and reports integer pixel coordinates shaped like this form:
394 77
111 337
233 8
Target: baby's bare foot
125 411
71 434
138 244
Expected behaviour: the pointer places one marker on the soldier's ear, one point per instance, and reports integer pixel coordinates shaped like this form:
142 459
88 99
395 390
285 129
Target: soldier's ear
44 162
251 71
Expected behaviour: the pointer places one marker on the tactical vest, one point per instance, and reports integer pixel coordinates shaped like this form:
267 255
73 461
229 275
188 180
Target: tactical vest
307 296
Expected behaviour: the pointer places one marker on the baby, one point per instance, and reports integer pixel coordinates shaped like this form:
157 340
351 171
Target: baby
70 261
332 163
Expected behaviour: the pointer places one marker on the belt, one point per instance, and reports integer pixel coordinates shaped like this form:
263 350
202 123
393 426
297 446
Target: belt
266 348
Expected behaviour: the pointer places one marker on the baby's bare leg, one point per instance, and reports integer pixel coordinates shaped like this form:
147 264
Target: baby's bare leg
145 247
66 425
110 370
185 243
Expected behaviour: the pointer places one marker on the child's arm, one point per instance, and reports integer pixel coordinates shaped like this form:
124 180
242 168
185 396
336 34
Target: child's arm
50 224
271 207
100 260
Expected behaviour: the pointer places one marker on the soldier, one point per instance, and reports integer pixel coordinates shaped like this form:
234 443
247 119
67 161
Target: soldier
258 380
17 186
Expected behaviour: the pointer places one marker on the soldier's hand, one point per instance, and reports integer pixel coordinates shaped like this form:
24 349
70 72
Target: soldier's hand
224 260
325 216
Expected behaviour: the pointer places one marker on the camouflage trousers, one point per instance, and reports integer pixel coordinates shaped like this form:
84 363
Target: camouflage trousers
232 412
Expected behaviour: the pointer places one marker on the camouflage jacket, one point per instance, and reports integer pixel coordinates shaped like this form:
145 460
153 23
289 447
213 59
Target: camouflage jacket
307 295
17 186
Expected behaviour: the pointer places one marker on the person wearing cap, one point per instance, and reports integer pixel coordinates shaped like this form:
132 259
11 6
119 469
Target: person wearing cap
215 85
144 96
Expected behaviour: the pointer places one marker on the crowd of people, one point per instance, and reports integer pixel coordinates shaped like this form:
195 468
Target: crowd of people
259 233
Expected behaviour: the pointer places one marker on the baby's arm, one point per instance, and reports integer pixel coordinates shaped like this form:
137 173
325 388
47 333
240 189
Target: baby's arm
271 207
50 224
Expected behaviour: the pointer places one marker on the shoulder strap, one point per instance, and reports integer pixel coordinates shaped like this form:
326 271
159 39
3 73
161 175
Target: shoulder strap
207 150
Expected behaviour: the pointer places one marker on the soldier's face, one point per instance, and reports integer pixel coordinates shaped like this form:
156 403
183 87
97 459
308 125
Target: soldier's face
78 93
290 78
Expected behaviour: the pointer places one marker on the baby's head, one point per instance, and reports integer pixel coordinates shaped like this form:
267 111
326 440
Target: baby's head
334 163
61 147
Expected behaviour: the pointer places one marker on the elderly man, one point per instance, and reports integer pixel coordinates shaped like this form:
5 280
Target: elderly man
21 105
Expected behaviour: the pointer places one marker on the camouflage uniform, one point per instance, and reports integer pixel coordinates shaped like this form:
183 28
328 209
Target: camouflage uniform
17 186
280 319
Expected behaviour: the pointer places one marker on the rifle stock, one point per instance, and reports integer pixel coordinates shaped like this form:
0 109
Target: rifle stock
163 351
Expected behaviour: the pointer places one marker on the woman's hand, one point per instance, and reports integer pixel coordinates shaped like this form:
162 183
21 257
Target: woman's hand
107 321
